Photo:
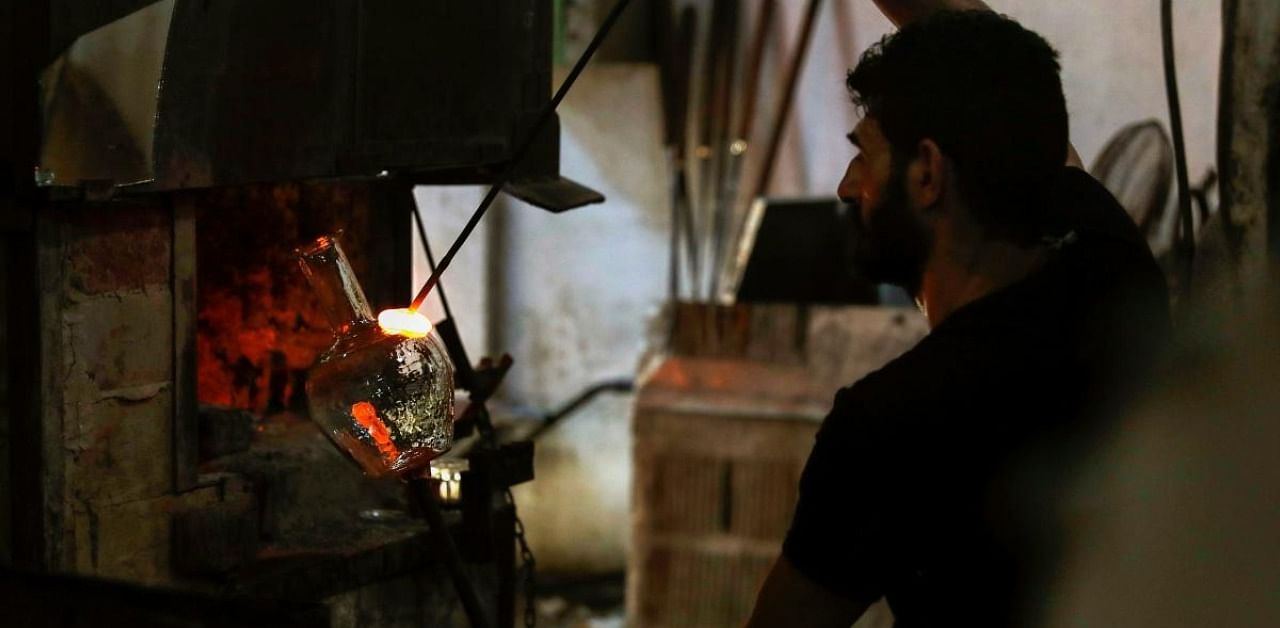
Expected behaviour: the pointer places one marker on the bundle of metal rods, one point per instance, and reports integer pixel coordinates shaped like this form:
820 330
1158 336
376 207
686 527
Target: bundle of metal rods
703 218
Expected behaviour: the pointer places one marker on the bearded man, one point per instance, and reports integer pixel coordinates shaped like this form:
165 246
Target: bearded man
936 482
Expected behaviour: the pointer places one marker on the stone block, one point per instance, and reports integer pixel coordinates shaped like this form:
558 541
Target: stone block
127 541
224 431
119 249
120 449
120 340
215 539
133 540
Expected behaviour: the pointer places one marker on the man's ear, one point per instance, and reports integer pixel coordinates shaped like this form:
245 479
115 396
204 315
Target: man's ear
927 175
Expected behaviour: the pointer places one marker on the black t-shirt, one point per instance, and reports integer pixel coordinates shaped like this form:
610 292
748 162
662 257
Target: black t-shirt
935 480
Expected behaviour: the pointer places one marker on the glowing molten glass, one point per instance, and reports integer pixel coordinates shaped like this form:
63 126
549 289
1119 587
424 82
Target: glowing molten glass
404 322
382 393
367 416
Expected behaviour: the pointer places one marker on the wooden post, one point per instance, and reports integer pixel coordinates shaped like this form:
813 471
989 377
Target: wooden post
1249 140
183 284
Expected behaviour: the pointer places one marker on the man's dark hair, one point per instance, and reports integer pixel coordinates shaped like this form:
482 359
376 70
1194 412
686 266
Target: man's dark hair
987 92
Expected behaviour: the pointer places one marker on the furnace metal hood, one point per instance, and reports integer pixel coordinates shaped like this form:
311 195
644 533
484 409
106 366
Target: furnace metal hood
192 93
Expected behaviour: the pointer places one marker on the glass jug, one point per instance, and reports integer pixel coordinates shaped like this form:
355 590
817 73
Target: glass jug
384 399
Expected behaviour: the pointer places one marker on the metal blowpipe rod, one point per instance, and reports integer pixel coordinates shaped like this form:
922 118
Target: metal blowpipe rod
519 154
737 145
788 96
420 491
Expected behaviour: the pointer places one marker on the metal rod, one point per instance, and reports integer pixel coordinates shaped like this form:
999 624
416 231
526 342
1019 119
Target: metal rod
755 61
431 261
712 79
724 129
686 220
422 495
1187 243
717 31
680 199
667 38
676 104
682 60
725 71
611 385
521 150
788 96
738 147
673 256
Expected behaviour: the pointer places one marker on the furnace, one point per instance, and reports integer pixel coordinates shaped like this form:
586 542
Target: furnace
186 151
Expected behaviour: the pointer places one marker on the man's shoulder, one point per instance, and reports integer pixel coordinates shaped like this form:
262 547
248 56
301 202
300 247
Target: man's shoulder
1107 272
964 375
926 378
1081 204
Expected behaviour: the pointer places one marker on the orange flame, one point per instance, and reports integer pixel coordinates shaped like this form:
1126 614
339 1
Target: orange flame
404 322
367 416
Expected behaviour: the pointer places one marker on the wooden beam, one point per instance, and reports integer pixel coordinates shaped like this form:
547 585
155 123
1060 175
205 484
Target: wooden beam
1249 139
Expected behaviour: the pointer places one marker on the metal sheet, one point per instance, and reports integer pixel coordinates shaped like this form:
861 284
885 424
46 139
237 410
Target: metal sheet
98 102
799 251
69 19
554 194
300 89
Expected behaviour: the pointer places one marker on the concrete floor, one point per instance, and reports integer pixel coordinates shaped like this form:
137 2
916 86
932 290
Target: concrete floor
582 602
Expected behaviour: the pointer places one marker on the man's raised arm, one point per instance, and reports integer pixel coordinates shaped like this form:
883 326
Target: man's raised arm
788 598
902 12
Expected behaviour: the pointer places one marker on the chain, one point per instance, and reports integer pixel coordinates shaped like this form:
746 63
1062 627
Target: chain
527 567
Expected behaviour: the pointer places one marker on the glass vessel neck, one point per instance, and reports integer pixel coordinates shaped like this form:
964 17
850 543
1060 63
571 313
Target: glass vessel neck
335 284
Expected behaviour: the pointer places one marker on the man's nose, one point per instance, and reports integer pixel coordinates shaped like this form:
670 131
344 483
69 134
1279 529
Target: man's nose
848 188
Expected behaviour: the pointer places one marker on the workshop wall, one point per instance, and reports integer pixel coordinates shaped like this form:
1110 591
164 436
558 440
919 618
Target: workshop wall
1111 69
579 289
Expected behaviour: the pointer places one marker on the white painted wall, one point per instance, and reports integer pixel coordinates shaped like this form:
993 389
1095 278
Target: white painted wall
579 287
1111 69
444 210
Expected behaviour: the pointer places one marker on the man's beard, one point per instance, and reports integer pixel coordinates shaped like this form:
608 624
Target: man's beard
890 246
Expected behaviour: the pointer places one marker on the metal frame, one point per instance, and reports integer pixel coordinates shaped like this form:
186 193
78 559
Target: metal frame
183 286
24 32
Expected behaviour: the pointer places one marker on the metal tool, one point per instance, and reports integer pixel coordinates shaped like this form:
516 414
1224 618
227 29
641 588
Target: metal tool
717 78
1186 245
676 104
425 499
723 122
731 174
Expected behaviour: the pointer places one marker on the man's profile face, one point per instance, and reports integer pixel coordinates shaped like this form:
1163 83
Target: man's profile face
891 241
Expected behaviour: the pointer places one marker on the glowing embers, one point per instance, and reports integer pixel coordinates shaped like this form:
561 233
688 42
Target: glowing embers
367 416
404 322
